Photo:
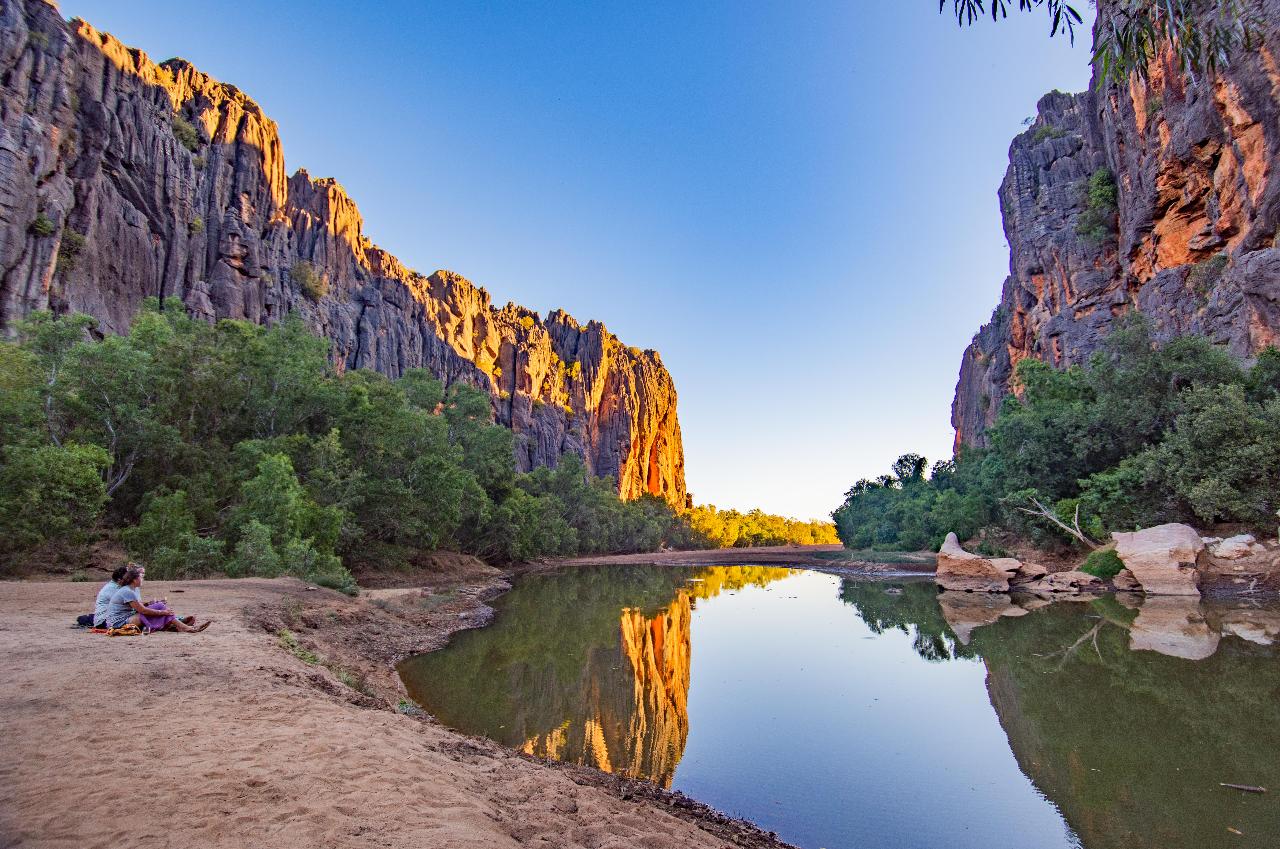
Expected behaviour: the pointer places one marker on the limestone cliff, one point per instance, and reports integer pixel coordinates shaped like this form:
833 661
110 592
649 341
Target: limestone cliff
1194 160
122 179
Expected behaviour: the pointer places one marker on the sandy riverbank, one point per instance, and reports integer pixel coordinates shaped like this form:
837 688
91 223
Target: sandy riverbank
228 739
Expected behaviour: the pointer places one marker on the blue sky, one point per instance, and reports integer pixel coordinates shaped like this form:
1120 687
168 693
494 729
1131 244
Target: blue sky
794 203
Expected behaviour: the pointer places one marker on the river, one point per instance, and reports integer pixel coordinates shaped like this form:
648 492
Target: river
847 713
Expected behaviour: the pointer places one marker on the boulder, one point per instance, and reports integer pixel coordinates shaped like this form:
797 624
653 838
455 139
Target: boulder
1073 581
1237 547
1162 559
964 572
1028 572
1125 582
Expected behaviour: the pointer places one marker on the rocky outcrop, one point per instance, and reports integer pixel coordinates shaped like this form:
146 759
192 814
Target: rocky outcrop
1162 559
123 179
1194 247
964 572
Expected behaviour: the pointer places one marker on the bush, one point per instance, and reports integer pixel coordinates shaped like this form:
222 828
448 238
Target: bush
527 322
43 225
1103 563
69 250
185 133
254 555
1046 131
314 284
1097 222
1204 275
50 492
196 226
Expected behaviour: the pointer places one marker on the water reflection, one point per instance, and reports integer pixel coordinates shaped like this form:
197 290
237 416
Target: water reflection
592 671
1125 714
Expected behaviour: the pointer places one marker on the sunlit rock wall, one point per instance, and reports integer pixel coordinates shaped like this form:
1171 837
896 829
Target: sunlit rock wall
88 149
1195 160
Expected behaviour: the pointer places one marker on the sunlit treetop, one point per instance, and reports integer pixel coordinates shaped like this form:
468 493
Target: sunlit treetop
1202 34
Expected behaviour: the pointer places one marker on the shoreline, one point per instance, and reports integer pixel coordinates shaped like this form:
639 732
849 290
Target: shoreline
242 741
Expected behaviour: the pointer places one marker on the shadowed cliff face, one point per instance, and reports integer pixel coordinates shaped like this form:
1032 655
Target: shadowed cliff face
1194 161
103 203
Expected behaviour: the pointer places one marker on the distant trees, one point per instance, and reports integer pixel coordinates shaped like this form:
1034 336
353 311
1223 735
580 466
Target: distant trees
1144 434
732 529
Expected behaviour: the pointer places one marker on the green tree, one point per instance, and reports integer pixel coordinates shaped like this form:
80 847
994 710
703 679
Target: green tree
50 492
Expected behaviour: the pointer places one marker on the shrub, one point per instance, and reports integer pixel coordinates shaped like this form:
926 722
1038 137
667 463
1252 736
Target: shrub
289 642
1204 275
314 284
50 493
1097 222
527 322
196 226
69 250
1046 131
43 225
1155 104
254 555
1103 563
185 133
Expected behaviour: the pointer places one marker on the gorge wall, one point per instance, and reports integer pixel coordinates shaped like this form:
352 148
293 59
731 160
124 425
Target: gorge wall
122 179
1194 160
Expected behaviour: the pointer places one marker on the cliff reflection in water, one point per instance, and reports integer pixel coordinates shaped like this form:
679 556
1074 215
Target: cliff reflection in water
593 670
1126 714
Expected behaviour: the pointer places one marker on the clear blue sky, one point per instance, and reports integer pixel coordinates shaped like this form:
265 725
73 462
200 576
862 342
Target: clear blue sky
794 202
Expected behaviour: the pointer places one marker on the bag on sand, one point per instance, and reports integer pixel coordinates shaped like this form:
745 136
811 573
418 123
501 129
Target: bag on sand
84 620
125 631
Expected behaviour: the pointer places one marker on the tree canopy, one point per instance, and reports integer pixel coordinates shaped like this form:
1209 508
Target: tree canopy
1202 35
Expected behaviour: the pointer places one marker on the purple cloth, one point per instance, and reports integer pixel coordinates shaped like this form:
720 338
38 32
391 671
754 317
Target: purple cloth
157 623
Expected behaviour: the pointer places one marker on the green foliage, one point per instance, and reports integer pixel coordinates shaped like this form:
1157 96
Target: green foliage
1097 222
527 322
254 554
314 284
1046 131
1202 35
195 226
1204 275
1103 563
49 492
43 225
69 249
732 529
185 133
1154 106
234 448
1142 435
289 642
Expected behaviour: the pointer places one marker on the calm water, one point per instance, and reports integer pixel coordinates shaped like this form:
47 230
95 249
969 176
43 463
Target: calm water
843 714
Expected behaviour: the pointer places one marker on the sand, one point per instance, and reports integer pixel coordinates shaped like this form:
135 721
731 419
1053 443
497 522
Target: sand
227 739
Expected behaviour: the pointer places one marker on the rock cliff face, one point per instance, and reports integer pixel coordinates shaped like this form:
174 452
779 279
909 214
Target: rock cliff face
1194 160
122 179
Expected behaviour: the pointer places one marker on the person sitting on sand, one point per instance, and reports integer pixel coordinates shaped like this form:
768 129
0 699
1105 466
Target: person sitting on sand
104 597
126 608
